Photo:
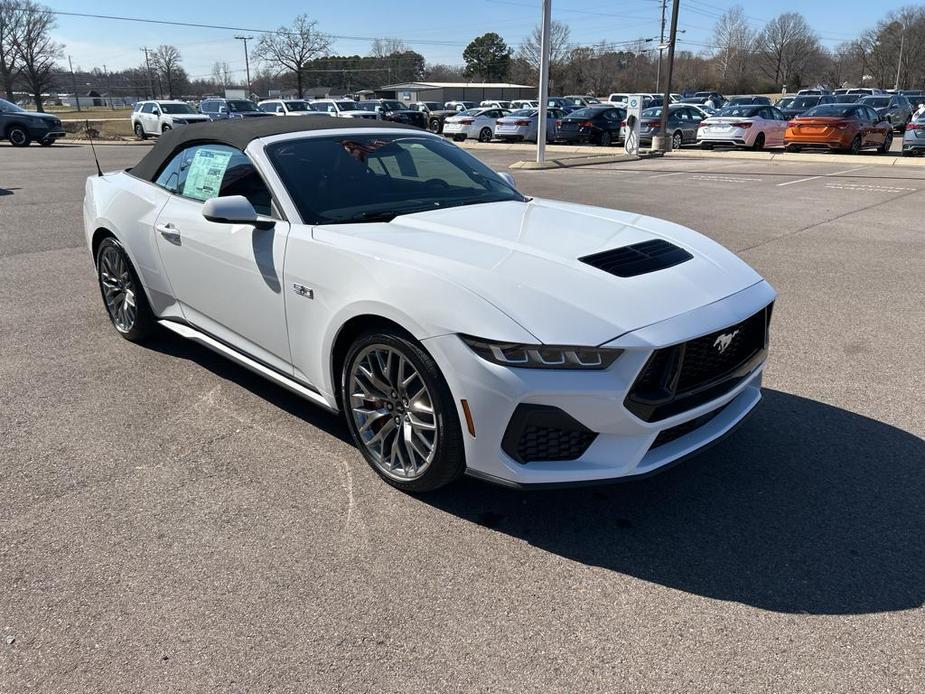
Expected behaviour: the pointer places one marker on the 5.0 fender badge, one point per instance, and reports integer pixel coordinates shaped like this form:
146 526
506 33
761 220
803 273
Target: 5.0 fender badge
302 290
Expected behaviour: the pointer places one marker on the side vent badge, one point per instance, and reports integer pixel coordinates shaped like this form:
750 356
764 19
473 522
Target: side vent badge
302 290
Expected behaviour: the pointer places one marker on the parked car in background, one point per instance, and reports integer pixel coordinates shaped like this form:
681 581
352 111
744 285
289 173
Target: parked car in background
841 127
342 108
894 108
846 98
915 96
395 111
230 109
801 104
434 112
914 137
702 97
598 124
288 107
523 124
459 105
21 127
477 124
784 102
524 103
579 101
683 121
157 117
748 100
506 105
751 126
813 92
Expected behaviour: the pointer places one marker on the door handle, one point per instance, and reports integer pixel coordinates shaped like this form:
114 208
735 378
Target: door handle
170 232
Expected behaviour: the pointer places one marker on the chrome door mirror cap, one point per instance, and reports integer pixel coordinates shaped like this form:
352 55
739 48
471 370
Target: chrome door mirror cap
507 178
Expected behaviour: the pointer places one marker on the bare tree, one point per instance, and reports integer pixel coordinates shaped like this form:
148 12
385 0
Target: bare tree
383 48
166 61
10 16
787 46
221 74
290 49
559 46
35 49
733 41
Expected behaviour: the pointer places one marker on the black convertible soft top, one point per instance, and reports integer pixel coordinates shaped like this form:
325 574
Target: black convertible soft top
240 133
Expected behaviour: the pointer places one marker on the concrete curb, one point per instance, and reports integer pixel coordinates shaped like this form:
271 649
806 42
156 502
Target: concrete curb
801 157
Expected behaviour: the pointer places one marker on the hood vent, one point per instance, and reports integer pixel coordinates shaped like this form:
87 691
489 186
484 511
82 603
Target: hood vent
639 258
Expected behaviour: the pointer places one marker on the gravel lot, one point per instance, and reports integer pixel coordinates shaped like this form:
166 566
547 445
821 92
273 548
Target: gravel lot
171 523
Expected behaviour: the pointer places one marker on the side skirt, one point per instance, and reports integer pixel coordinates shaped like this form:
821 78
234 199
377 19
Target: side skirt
247 362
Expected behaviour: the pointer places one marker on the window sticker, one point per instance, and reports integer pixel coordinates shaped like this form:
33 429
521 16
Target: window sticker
204 178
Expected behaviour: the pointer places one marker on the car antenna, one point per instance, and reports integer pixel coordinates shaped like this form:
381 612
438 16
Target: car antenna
99 171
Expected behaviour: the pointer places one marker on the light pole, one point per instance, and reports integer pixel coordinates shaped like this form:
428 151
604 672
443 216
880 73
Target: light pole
899 64
544 82
247 64
666 98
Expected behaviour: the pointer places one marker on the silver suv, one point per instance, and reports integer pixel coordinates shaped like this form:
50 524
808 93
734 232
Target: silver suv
157 117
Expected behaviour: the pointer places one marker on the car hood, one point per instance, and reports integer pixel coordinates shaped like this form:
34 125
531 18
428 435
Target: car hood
188 116
524 259
52 119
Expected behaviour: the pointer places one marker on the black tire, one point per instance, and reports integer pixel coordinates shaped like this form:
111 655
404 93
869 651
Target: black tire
47 142
449 460
758 144
18 136
606 139
706 145
459 138
792 148
485 135
677 140
434 126
887 143
855 146
144 323
165 128
140 133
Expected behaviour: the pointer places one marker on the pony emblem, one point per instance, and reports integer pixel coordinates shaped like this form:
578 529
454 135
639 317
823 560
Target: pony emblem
723 341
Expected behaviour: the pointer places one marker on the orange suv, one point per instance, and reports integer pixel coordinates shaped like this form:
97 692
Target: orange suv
841 127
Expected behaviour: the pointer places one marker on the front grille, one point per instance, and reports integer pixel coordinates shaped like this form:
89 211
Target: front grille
539 432
678 378
638 258
676 432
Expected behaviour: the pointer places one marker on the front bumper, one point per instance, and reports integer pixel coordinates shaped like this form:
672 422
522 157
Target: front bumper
624 445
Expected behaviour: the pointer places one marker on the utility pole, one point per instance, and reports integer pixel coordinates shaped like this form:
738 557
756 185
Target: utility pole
112 104
666 97
247 64
661 42
544 82
899 64
148 68
74 82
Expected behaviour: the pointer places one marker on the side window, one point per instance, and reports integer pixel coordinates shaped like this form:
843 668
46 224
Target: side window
778 114
694 115
332 108
202 172
207 106
147 108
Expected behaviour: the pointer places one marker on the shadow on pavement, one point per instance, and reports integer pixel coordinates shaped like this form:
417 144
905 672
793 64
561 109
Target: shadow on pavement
808 508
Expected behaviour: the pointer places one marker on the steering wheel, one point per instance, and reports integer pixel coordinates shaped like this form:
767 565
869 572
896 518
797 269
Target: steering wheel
436 183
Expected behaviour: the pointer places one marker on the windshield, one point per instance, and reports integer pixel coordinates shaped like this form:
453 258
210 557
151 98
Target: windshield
374 178
785 102
241 106
367 105
832 111
297 106
522 113
9 106
805 102
586 113
846 98
348 106
876 101
739 111
176 108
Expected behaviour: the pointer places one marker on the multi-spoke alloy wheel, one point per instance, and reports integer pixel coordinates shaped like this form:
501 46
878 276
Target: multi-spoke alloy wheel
401 413
393 412
122 293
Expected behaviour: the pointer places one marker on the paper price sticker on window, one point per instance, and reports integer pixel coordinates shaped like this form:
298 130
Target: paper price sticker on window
204 178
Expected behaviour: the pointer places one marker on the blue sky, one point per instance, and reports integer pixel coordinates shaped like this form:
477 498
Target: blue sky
438 30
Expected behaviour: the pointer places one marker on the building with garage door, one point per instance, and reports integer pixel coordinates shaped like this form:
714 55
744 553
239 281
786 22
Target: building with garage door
408 92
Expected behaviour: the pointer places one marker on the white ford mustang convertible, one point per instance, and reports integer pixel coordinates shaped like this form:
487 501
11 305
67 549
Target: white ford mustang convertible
460 326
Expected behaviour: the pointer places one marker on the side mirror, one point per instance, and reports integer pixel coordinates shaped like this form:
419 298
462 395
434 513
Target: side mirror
507 178
222 109
233 209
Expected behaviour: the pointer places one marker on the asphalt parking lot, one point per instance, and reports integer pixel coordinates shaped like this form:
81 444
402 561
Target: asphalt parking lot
171 523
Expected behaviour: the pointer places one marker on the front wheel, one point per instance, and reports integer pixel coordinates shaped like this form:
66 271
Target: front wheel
400 413
140 133
459 138
677 140
165 129
47 142
887 143
122 292
434 126
18 136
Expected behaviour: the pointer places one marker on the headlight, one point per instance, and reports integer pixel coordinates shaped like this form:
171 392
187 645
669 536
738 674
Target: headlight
41 122
542 356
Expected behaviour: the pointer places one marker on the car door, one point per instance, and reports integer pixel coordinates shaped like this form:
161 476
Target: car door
872 133
147 118
691 124
777 127
226 277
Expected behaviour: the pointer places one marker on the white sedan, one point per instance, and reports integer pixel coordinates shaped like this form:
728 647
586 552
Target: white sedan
750 126
461 327
289 107
477 124
523 124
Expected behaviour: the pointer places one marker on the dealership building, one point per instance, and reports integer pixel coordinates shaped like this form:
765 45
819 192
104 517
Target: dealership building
456 91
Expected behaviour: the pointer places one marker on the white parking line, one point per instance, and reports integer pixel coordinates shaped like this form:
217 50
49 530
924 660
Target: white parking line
724 179
664 175
813 178
871 188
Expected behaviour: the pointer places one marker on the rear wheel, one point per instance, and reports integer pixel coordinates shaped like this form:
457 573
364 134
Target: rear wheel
758 144
459 138
677 140
140 132
606 139
400 413
792 148
485 135
855 146
434 126
887 143
122 292
18 136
